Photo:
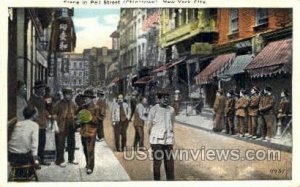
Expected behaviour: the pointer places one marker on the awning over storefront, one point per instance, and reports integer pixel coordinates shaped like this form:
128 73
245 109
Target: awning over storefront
169 65
239 64
144 80
216 67
275 58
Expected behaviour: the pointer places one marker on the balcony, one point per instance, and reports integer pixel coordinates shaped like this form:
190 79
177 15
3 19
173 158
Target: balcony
206 25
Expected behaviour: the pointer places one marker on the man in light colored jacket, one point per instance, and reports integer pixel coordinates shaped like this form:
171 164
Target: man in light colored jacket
121 114
161 136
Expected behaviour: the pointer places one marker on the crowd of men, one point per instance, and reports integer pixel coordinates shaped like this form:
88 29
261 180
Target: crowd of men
255 112
44 115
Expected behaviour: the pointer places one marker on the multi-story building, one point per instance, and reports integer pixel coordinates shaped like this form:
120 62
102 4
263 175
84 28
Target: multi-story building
33 39
186 36
243 54
74 71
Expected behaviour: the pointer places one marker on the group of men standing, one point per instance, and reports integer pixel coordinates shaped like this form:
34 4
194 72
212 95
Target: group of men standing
247 108
48 112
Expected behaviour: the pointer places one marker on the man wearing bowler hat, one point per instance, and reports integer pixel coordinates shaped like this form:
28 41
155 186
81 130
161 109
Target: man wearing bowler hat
37 101
88 119
241 113
266 109
161 136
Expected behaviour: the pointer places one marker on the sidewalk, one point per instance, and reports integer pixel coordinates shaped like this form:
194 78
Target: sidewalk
204 121
107 167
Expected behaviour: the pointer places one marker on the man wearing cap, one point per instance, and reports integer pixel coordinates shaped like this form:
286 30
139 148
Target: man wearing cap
266 109
65 114
219 106
88 119
229 113
161 136
121 114
101 105
284 108
37 101
241 114
253 112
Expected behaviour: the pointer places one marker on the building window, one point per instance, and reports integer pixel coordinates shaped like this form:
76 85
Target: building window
234 20
80 64
75 65
261 16
64 12
80 81
80 74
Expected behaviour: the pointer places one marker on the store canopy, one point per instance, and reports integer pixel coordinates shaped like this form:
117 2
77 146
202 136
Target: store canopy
144 80
239 65
275 58
215 68
170 64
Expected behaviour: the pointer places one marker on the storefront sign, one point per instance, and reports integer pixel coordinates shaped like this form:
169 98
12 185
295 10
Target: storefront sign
199 48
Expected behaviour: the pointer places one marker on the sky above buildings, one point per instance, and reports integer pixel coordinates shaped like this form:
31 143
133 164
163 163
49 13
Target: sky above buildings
94 26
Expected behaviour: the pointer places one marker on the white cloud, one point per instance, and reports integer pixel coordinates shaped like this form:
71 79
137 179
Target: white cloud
112 19
93 34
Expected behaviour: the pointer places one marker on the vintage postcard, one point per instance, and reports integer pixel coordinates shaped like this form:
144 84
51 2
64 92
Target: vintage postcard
135 91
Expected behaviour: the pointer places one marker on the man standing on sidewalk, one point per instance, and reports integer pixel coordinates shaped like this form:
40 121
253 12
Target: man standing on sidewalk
229 113
101 105
65 113
161 136
121 114
266 107
240 107
37 101
283 110
219 106
253 112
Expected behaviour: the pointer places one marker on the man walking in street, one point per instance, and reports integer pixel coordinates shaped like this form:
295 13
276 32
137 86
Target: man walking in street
121 114
101 105
37 101
65 114
161 136
266 109
229 113
253 112
140 118
240 107
88 118
219 106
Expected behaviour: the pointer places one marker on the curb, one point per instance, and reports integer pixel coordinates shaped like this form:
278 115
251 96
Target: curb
257 142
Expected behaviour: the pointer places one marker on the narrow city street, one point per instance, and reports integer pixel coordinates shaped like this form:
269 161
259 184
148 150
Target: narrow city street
189 138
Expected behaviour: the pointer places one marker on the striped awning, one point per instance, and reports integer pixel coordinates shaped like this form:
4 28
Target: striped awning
275 58
239 64
215 68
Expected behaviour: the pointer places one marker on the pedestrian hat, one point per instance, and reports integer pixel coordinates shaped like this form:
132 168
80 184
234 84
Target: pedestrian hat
101 92
221 91
67 91
39 84
84 116
120 96
88 93
162 93
256 89
286 92
29 111
268 88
